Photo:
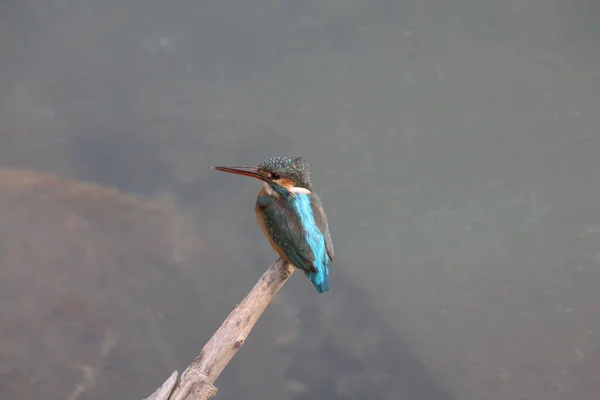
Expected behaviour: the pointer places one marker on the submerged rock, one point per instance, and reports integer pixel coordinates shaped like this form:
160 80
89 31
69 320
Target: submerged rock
83 269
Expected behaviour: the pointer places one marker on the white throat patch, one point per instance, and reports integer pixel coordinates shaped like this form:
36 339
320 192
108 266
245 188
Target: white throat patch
297 189
270 190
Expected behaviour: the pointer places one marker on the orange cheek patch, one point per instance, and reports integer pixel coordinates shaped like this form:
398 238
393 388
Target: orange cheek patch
286 183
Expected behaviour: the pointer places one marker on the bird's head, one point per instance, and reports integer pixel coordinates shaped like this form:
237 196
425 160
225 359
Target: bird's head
282 174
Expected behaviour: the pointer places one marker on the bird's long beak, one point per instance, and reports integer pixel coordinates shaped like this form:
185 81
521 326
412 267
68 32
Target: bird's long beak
241 170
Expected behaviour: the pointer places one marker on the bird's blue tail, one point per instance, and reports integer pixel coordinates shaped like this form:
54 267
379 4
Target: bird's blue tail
320 279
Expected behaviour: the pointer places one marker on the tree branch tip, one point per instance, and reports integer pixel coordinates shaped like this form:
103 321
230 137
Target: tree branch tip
164 392
196 381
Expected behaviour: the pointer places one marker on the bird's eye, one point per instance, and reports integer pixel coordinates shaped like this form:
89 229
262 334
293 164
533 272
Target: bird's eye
275 176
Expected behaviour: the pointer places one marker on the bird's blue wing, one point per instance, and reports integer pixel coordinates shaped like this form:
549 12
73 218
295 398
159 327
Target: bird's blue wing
321 221
284 229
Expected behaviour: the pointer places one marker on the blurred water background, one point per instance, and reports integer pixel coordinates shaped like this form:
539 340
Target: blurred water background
454 143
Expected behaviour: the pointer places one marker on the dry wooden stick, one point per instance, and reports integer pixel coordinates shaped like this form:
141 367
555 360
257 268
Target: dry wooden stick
197 380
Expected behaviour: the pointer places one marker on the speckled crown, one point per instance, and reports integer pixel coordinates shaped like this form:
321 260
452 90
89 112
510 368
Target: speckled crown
294 167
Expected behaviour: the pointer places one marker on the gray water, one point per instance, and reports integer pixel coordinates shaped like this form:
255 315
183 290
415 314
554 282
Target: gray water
454 144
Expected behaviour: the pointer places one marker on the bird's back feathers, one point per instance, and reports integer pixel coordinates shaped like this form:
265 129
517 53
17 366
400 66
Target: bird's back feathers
297 229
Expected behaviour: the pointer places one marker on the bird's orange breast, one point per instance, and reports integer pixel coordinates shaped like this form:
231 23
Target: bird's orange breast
265 230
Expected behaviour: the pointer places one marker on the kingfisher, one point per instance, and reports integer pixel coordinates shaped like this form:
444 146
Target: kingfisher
291 216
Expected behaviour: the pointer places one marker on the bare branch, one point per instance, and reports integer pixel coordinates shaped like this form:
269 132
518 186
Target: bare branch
165 390
197 380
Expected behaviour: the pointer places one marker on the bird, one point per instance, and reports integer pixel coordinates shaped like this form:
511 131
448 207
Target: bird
291 215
